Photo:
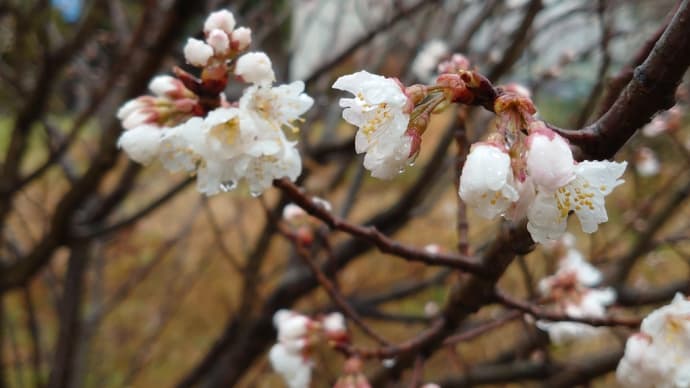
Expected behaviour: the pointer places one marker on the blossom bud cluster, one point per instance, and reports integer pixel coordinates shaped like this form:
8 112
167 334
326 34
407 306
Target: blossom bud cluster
223 41
297 335
573 291
659 355
425 63
526 169
221 143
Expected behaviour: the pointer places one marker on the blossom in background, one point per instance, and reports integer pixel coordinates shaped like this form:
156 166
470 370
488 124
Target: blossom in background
664 122
572 290
297 334
646 162
425 63
289 356
659 355
487 182
379 110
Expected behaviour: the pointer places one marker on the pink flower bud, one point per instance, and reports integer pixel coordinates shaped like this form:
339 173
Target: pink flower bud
241 38
223 20
550 161
219 40
197 52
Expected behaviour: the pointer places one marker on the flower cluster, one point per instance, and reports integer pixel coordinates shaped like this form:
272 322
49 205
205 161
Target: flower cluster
572 290
534 174
659 355
522 169
297 335
189 126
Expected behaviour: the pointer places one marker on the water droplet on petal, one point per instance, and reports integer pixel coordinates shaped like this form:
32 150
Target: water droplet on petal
228 186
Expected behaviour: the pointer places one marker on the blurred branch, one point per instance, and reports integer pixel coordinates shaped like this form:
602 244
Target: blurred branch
540 313
652 88
366 38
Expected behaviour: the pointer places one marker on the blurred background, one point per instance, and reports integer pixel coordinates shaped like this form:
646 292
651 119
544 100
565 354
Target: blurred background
114 275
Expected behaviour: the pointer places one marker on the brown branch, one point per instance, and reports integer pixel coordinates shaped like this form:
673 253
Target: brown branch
372 235
618 83
482 329
540 313
328 286
651 89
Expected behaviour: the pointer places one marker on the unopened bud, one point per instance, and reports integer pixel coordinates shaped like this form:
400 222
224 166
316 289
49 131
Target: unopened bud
219 40
197 52
241 38
222 20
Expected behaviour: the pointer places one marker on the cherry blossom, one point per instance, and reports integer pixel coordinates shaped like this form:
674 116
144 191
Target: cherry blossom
428 58
293 367
379 111
659 355
593 181
572 289
487 184
141 143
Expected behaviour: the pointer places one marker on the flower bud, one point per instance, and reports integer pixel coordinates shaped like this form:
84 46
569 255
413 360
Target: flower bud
197 52
219 40
255 68
241 38
223 20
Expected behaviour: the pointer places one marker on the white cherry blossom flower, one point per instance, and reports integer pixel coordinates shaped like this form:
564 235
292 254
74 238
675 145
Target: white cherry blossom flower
572 268
659 356
487 184
378 110
646 162
591 303
293 367
141 143
255 68
584 195
282 105
334 324
197 53
182 147
428 58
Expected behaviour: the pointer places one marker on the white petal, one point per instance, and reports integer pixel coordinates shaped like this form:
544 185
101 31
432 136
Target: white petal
141 143
550 161
545 220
